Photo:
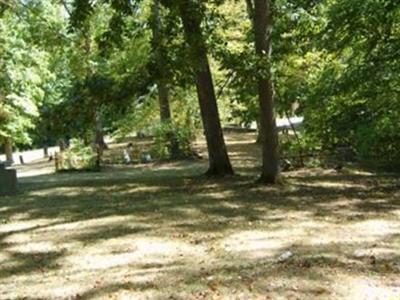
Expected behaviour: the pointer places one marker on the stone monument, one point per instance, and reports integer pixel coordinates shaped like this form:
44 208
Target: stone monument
8 181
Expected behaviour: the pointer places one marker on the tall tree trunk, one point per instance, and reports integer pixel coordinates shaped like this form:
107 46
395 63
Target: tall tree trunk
163 99
165 117
219 164
269 134
8 149
163 91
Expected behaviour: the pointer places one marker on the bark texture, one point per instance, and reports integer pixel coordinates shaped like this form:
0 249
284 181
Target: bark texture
162 86
219 163
269 135
8 149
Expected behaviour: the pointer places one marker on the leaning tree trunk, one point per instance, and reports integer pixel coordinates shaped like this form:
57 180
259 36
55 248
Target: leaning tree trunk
8 150
269 134
219 164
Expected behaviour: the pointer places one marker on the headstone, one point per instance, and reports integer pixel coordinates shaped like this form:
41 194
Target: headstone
145 158
140 135
46 152
8 181
345 154
127 158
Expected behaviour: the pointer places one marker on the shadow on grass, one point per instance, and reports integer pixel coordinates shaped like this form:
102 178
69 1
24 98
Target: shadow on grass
168 194
108 232
308 267
31 262
174 198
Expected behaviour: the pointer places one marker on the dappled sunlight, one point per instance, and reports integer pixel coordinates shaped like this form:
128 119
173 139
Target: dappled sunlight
79 191
366 288
157 231
359 232
36 168
29 247
218 195
5 208
267 243
130 250
12 226
377 252
337 185
376 227
396 212
256 244
341 203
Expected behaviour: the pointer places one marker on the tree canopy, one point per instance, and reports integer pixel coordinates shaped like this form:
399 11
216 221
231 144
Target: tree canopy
83 69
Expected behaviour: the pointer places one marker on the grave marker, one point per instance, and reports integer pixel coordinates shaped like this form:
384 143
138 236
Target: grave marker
8 181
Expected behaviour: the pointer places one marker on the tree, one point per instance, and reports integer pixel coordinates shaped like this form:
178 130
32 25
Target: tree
159 55
87 22
26 75
269 135
353 97
191 13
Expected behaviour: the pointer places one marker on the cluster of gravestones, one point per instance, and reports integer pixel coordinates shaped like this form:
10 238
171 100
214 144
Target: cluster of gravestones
144 158
8 181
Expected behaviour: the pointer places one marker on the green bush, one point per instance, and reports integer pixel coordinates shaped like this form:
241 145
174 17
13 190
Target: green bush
290 145
172 141
78 157
369 128
379 142
299 152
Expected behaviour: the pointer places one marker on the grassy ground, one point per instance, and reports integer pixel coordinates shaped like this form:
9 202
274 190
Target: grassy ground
163 232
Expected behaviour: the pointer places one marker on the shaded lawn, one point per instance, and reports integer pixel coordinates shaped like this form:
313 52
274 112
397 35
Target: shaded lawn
163 232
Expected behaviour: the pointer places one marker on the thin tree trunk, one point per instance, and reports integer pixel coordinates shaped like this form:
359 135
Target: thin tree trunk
269 134
46 151
219 164
99 138
165 117
163 91
250 13
8 149
163 99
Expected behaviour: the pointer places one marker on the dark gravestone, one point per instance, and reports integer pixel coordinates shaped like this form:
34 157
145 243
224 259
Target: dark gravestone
8 181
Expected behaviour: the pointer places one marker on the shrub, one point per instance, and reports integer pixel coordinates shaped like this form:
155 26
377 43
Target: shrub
172 141
379 142
78 157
